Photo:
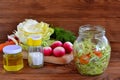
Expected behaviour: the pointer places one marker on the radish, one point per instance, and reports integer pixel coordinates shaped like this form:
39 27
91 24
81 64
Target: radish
47 51
68 47
56 44
58 51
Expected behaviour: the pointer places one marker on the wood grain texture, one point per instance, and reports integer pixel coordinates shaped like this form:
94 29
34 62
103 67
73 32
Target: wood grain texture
59 72
69 14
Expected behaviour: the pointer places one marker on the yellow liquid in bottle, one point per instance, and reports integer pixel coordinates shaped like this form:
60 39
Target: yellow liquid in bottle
13 62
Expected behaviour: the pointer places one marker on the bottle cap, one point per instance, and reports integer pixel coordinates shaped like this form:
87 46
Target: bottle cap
34 40
12 49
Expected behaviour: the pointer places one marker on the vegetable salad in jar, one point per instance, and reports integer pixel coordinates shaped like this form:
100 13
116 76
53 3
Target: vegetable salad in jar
91 50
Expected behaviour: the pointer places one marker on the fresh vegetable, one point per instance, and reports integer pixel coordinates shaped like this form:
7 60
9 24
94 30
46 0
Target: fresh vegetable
68 47
62 35
56 44
2 45
47 42
32 27
59 51
47 51
13 38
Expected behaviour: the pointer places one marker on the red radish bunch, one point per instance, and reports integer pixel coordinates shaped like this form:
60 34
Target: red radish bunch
56 44
58 49
47 51
68 47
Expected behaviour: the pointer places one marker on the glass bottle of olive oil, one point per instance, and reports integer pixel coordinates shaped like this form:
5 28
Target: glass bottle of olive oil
12 58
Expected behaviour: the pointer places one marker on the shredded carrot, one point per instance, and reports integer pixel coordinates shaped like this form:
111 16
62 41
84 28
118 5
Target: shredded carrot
84 59
98 53
2 45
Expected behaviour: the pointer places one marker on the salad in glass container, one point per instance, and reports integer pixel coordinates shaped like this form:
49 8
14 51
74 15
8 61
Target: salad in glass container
91 50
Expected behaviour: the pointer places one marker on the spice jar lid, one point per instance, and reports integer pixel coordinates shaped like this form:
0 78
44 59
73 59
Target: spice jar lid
12 49
34 40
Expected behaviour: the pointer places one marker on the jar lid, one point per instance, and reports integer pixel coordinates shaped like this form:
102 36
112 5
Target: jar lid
12 49
34 40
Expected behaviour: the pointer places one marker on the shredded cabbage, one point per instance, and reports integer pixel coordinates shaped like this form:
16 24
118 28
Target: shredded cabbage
96 65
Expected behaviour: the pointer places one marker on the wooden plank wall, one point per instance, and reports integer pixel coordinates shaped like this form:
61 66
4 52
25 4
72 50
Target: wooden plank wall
69 14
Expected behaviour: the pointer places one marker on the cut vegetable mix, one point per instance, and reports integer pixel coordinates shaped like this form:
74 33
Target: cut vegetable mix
90 60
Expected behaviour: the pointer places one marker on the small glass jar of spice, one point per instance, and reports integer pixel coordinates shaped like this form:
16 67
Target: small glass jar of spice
35 51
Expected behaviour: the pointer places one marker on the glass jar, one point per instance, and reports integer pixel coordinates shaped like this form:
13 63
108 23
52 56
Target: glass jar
35 52
35 57
12 58
91 50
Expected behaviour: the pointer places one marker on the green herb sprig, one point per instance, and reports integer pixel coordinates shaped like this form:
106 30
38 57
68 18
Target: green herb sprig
63 35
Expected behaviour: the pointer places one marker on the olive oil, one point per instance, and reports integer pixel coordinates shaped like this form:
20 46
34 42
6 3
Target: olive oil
12 59
13 62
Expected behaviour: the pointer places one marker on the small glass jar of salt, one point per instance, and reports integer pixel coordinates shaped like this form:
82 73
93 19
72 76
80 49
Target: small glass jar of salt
35 52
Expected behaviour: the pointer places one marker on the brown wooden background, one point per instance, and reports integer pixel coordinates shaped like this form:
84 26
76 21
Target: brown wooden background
69 14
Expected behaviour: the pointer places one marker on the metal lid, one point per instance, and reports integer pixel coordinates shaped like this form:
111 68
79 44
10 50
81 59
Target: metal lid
12 49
